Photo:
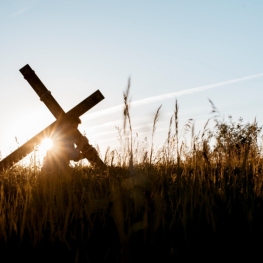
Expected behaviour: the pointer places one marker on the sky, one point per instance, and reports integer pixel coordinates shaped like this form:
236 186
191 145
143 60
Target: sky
187 50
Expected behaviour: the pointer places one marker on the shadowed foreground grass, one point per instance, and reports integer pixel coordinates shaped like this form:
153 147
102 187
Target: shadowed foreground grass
167 213
201 200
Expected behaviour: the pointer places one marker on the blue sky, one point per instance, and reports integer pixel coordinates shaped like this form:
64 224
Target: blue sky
165 47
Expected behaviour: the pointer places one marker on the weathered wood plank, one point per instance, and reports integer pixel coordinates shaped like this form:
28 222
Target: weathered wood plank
43 93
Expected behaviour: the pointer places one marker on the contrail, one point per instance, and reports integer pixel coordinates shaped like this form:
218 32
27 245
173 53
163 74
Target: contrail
21 11
168 96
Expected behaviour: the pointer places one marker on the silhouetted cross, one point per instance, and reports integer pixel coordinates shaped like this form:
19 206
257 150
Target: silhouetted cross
46 96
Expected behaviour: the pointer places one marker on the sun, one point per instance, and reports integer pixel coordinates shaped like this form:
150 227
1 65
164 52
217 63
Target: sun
45 145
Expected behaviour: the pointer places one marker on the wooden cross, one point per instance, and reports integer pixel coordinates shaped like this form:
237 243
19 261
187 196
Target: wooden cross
56 110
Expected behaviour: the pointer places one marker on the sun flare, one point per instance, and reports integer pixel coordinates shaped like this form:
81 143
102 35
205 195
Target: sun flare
45 145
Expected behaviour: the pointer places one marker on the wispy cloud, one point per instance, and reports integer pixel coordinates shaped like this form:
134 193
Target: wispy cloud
21 6
21 11
128 136
168 96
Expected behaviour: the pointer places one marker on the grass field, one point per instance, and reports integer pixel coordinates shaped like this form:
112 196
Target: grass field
195 199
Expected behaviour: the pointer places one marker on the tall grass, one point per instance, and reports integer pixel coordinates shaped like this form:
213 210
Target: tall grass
187 197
